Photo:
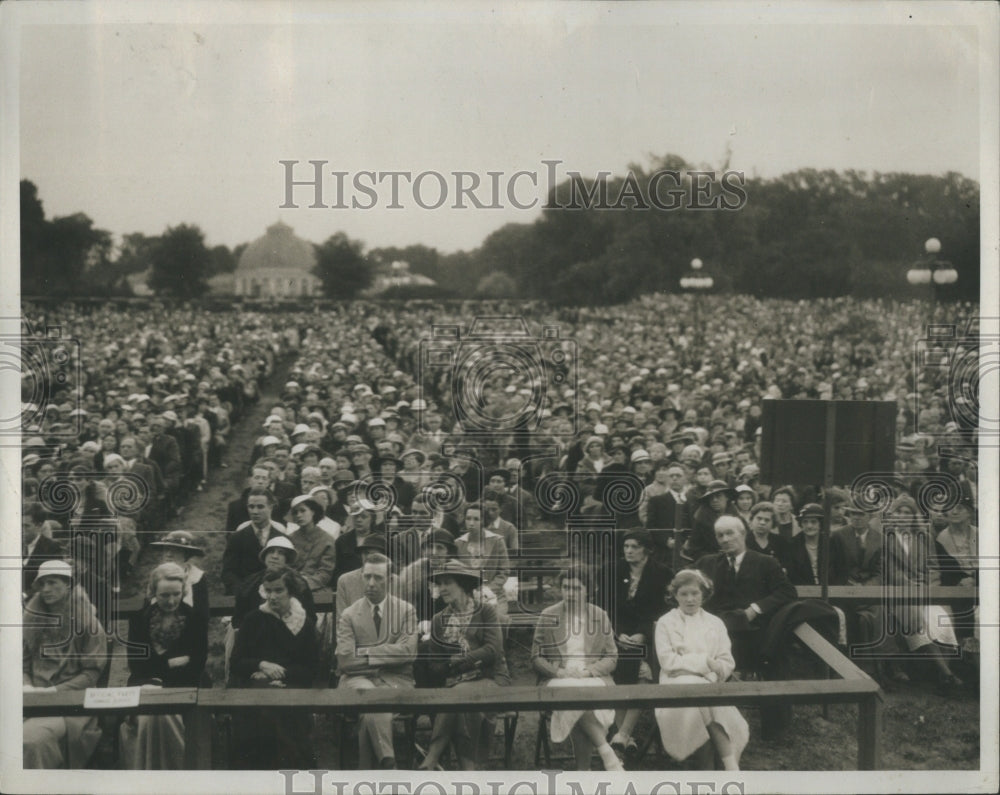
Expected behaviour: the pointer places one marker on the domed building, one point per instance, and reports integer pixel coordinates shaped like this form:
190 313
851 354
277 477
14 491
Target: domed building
277 265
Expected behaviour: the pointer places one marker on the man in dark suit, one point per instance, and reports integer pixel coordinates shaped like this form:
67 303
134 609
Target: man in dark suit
38 548
162 448
748 589
145 468
856 559
242 555
668 512
236 512
493 522
856 551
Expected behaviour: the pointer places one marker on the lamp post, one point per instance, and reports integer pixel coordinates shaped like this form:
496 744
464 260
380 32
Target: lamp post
698 283
933 271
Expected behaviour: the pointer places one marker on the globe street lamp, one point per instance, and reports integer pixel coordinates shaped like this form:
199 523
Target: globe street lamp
931 270
698 283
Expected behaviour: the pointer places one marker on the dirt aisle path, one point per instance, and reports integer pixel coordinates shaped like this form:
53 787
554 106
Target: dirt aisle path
204 514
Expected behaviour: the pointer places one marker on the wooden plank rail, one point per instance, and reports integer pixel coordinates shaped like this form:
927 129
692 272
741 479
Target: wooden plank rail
931 594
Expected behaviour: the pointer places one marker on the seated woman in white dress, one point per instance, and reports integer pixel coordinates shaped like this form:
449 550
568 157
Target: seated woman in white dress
574 646
693 648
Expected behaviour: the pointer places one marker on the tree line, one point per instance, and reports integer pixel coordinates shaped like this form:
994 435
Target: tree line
806 234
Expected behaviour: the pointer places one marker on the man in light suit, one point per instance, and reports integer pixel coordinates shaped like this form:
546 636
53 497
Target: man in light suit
376 647
351 586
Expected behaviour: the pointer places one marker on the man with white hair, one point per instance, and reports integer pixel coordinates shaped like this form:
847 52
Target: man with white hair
749 587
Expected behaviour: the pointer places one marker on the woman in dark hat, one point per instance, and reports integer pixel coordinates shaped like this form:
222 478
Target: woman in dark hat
803 565
170 647
715 502
466 651
182 547
415 579
639 585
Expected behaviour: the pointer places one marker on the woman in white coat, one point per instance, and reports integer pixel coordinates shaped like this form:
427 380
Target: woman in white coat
693 648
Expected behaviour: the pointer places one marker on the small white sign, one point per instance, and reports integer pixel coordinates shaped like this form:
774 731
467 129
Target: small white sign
111 697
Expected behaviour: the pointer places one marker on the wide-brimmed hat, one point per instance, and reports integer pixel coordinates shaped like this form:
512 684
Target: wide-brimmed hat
54 568
374 542
458 570
438 535
717 487
640 535
811 510
280 542
414 451
180 539
500 473
309 501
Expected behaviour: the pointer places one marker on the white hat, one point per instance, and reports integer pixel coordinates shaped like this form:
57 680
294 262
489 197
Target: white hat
640 455
268 440
301 428
298 449
54 568
280 542
601 429
272 418
419 405
375 422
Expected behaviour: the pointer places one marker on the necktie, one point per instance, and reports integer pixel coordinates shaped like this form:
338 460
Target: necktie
377 618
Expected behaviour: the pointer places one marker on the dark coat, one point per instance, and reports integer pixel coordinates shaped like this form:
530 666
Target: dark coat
663 513
145 664
248 597
236 511
798 565
263 636
167 455
851 565
242 555
778 547
760 580
45 549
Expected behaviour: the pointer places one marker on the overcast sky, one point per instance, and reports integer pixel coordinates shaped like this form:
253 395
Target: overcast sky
143 126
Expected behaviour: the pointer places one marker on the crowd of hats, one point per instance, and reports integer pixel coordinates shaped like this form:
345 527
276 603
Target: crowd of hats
648 380
99 374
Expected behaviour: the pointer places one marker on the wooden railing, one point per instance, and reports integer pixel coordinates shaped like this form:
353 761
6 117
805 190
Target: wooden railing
198 706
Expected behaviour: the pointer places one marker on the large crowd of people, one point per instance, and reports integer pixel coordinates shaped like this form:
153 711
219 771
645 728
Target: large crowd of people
402 470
